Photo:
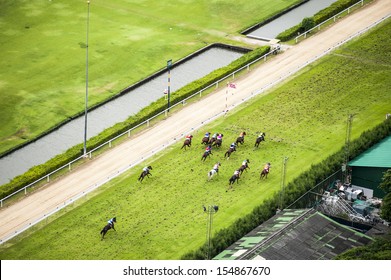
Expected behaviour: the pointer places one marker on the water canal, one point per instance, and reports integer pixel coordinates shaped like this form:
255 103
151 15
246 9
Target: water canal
293 17
115 111
119 109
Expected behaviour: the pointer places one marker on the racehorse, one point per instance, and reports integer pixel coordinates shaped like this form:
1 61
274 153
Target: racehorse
205 140
205 155
187 142
213 139
259 139
265 171
234 178
146 172
229 152
244 166
218 141
107 227
214 171
240 139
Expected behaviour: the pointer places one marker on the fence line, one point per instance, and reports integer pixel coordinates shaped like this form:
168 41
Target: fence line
175 139
128 132
109 142
333 18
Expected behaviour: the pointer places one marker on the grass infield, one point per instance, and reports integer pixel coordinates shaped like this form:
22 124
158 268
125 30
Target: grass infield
162 218
43 51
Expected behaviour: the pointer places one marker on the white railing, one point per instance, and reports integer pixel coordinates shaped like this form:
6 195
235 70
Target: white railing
175 139
128 132
333 18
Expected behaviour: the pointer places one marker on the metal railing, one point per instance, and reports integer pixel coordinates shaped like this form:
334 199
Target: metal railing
174 139
333 18
109 143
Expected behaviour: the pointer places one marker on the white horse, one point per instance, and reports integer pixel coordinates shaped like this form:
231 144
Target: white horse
214 170
211 174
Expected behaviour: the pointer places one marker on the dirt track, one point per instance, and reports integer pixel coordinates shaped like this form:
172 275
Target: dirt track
36 205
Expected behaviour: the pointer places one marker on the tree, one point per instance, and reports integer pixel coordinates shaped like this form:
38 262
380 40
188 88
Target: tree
385 185
307 24
386 205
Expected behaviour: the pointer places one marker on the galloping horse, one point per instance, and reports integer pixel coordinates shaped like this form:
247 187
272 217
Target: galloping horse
110 225
229 152
265 171
234 178
205 155
214 171
213 139
240 139
259 139
219 140
187 142
146 172
206 138
244 166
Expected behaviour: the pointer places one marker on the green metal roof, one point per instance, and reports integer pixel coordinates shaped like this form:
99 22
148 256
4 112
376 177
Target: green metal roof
302 234
377 156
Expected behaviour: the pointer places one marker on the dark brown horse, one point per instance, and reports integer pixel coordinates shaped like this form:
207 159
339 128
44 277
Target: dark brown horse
205 139
229 152
234 178
213 139
110 225
218 141
187 142
145 172
206 154
265 171
259 139
240 139
244 166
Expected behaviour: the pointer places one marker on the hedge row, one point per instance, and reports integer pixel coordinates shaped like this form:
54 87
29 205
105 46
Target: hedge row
153 109
318 18
304 182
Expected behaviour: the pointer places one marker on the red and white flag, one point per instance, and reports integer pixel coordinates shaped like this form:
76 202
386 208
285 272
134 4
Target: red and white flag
232 85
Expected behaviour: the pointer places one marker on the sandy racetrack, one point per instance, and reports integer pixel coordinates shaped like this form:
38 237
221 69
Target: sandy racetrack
33 207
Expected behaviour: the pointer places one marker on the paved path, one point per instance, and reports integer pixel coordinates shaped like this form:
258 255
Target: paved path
33 207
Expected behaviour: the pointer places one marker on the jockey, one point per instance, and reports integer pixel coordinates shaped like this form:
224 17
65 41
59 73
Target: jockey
241 134
146 169
214 136
233 146
208 148
207 134
267 166
219 136
112 221
236 173
245 162
261 134
216 166
189 136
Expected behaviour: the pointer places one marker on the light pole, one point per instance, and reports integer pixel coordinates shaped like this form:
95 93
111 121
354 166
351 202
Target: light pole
169 64
283 183
211 210
86 101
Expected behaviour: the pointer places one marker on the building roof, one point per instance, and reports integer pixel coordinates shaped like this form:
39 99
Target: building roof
377 156
304 234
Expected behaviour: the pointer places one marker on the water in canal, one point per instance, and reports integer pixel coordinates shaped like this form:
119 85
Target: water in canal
113 112
291 18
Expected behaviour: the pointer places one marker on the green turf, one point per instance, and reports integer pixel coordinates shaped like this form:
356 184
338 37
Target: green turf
43 51
162 218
